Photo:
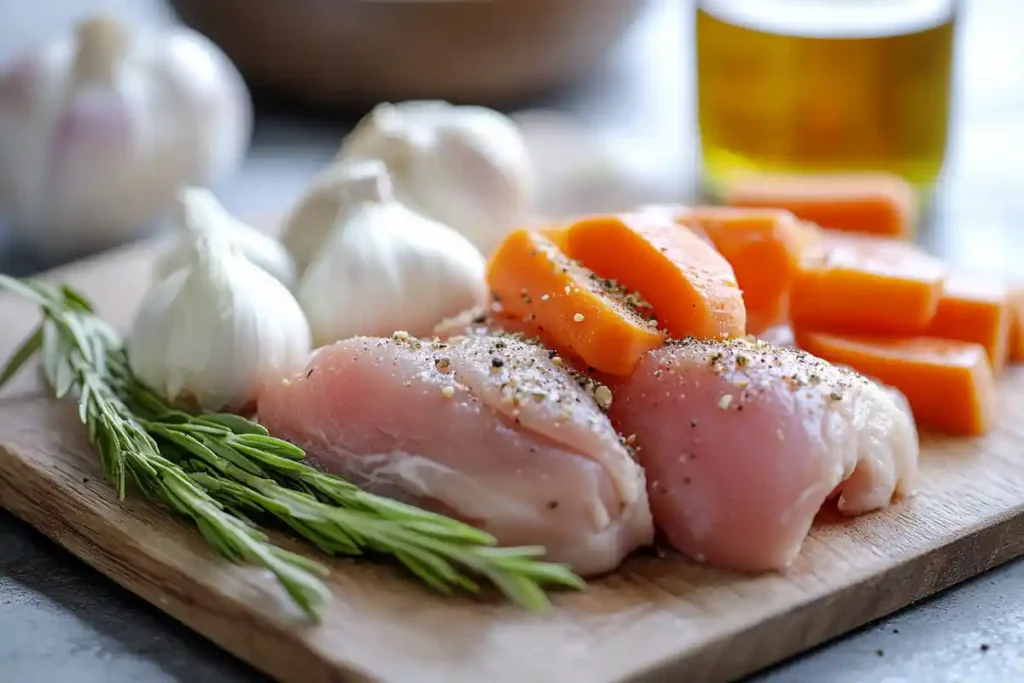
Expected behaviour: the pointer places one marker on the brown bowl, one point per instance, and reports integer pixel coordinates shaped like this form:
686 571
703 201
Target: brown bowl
358 52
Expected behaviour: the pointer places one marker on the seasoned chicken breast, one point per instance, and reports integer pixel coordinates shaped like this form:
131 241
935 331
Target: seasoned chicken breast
487 429
743 442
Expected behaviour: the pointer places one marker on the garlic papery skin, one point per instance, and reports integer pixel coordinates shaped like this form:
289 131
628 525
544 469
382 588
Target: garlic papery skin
464 166
311 219
384 268
101 127
198 213
395 133
215 332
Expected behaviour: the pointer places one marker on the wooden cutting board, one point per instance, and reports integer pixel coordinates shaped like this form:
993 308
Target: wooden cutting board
653 619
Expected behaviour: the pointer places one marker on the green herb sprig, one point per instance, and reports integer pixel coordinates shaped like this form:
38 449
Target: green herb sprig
222 470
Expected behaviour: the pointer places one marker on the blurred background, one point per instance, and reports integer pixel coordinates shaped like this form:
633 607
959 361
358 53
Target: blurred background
624 75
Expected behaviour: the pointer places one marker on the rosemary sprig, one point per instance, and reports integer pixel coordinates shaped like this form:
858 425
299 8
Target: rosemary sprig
244 467
76 348
220 469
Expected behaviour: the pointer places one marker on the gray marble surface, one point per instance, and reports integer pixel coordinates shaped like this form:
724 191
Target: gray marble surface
59 620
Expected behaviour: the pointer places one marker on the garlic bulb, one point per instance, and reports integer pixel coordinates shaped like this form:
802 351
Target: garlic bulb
585 171
198 212
464 166
311 219
385 268
216 331
100 128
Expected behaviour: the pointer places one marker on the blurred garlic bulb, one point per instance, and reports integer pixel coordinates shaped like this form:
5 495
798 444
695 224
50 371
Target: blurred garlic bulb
99 129
311 218
198 212
580 171
464 166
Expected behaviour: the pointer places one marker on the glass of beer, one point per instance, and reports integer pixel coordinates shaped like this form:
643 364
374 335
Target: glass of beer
824 86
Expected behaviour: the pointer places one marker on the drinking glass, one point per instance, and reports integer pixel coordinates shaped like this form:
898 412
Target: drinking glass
819 86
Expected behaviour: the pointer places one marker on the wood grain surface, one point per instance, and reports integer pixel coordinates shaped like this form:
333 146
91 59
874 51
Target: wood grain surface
653 619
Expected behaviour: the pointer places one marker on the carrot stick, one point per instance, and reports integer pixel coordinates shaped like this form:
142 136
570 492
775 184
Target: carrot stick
533 280
690 286
876 203
971 310
1017 324
763 246
949 384
866 285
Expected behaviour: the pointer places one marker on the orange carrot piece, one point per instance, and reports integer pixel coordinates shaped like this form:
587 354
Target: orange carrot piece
763 246
866 285
1017 324
875 203
949 384
971 310
535 281
690 286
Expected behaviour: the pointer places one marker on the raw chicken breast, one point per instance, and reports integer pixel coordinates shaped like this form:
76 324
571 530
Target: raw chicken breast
485 429
743 442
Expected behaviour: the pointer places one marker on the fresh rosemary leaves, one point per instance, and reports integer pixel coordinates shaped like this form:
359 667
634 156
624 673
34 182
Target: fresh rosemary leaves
223 470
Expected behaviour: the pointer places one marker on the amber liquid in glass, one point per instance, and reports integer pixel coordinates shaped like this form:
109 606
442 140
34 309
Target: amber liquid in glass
809 86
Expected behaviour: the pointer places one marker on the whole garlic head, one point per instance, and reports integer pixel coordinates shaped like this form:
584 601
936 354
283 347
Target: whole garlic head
99 129
394 133
198 212
215 332
310 221
465 166
383 267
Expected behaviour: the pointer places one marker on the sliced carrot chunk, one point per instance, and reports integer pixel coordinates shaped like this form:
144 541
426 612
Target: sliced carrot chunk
949 384
533 280
763 246
1017 324
691 287
972 310
880 204
869 285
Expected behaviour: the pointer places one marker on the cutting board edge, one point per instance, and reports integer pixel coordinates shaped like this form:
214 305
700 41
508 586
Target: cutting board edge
273 654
